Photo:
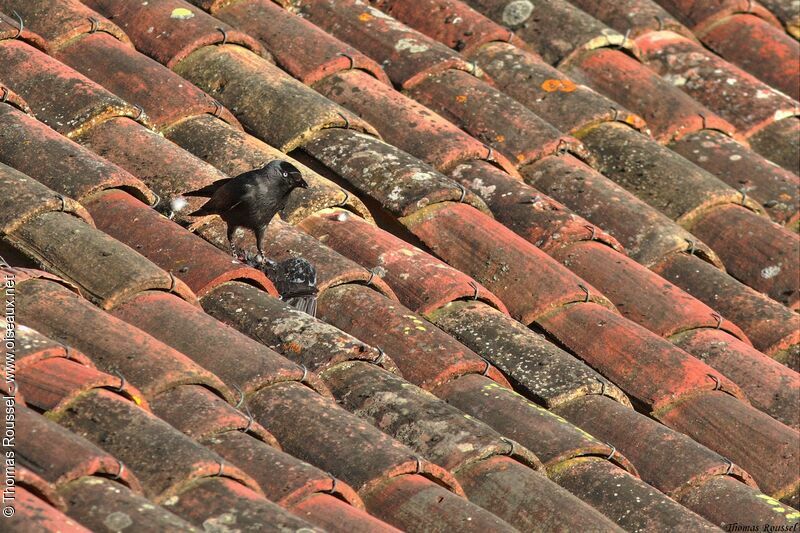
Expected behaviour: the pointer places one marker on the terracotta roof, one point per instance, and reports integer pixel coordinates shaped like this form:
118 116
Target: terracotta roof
556 250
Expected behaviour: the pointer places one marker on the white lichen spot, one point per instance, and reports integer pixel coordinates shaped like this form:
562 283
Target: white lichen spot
517 12
117 521
735 157
220 524
413 46
676 79
485 191
770 271
731 81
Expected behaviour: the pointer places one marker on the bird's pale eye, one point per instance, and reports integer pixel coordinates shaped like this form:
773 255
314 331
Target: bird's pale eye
285 175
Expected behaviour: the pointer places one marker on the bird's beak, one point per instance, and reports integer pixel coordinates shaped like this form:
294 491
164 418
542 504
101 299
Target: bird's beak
303 184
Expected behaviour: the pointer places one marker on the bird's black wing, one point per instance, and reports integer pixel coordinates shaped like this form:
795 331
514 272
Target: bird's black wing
226 197
209 190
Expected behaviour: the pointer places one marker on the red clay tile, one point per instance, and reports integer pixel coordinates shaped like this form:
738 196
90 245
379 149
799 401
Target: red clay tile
271 104
756 251
699 14
10 29
170 30
531 505
639 294
646 234
33 347
548 92
58 163
406 55
202 415
549 436
769 385
166 168
329 512
62 98
285 479
296 335
649 369
723 500
555 29
139 439
26 274
450 22
775 188
53 384
236 359
492 117
60 456
403 335
417 505
284 241
657 175
309 55
743 100
538 369
216 501
390 404
780 143
770 453
589 478
406 123
194 261
107 271
33 515
233 152
770 326
667 459
100 503
669 113
531 214
528 281
58 23
165 96
25 199
640 16
786 14
421 282
771 55
7 96
32 482
402 184
424 423
112 344
314 429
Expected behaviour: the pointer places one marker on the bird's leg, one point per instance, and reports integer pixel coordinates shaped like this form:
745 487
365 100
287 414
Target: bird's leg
260 232
262 260
234 251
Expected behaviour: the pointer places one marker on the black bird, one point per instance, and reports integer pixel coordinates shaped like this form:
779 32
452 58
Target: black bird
251 199
296 281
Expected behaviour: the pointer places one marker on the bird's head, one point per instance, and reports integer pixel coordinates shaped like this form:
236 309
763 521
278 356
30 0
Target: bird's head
288 173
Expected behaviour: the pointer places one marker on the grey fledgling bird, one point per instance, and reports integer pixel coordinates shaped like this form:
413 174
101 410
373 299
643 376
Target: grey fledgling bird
251 199
296 282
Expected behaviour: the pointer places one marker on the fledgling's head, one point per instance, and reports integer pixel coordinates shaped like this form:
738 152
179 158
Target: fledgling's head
287 172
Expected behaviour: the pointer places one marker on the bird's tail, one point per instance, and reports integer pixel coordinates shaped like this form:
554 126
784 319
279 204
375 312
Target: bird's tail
200 212
209 189
306 304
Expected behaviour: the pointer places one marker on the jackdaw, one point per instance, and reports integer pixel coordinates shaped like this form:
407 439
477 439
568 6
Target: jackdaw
251 199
